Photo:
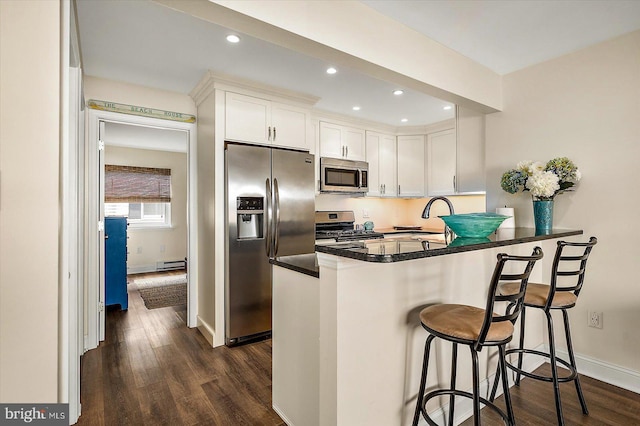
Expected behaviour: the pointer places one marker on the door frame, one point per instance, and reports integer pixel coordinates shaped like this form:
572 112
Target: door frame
95 250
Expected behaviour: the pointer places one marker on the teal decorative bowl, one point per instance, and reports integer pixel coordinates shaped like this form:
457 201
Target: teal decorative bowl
473 225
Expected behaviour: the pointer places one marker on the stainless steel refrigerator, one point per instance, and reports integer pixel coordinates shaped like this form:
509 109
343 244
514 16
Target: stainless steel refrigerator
270 212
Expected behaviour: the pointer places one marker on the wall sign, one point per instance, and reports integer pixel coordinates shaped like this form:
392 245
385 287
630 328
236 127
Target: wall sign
143 111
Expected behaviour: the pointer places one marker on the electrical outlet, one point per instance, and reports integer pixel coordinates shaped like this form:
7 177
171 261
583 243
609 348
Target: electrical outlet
365 213
595 319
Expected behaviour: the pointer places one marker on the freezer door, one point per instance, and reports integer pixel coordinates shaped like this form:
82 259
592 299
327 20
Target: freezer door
248 280
294 202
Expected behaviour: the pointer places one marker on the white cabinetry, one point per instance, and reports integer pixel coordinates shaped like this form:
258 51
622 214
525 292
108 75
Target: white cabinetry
338 141
441 163
381 156
411 166
471 147
250 119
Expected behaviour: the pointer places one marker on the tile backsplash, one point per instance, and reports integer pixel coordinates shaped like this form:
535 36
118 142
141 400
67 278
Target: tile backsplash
389 212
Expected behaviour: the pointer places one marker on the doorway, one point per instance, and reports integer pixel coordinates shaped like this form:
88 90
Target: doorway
159 234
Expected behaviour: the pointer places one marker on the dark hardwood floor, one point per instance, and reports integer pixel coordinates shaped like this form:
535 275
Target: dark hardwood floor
533 404
152 370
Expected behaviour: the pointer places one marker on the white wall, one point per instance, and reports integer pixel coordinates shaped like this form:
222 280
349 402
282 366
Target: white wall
29 203
148 246
585 106
131 94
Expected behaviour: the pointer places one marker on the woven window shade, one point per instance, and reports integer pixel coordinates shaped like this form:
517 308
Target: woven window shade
128 184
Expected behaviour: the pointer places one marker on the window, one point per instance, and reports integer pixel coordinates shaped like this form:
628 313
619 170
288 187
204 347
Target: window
143 194
141 214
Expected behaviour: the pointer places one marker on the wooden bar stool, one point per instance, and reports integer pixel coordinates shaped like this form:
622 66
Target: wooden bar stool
548 298
476 328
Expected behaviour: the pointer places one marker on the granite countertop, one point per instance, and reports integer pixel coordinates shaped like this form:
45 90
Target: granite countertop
419 245
303 263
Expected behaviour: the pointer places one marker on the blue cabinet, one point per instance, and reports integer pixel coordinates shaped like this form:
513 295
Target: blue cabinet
115 260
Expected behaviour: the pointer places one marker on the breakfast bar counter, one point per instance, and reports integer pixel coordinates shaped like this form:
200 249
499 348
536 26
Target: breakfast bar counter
348 345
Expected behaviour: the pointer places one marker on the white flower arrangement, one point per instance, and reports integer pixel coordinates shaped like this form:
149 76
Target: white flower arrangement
544 181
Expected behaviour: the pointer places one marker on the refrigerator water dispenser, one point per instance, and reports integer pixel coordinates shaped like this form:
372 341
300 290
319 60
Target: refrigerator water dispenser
250 217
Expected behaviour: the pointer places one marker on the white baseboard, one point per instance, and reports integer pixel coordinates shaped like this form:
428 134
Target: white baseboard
282 416
206 330
141 269
605 372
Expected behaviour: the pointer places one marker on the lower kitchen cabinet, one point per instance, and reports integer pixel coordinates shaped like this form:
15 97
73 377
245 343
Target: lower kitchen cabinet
115 262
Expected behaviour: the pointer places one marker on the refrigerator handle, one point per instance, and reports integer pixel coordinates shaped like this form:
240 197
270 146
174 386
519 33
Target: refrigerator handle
276 216
267 220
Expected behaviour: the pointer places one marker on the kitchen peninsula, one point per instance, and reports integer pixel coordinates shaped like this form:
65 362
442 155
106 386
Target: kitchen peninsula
348 345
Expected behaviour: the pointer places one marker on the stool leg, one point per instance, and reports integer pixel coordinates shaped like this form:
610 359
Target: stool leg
452 398
423 380
554 369
502 366
521 347
567 333
494 388
476 388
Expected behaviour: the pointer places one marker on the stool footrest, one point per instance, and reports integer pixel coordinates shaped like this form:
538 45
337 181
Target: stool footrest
572 371
456 392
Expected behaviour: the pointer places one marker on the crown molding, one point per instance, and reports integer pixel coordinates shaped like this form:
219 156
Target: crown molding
211 81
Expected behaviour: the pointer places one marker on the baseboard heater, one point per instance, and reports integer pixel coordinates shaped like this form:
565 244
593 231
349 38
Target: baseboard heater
170 265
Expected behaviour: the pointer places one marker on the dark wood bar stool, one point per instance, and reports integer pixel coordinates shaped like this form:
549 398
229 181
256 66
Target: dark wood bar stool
476 328
554 296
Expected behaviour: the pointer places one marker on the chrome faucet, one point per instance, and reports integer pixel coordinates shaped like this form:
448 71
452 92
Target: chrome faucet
448 233
427 208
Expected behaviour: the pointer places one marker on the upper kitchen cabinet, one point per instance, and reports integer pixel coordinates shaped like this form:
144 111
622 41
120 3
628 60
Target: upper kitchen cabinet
338 141
411 166
250 119
441 163
470 157
381 156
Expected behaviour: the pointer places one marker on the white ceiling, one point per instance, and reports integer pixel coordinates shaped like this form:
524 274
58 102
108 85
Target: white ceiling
148 44
506 36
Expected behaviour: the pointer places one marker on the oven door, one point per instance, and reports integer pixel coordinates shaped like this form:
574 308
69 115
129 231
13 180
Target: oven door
343 176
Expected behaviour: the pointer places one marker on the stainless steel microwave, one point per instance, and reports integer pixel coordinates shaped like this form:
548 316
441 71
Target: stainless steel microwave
343 176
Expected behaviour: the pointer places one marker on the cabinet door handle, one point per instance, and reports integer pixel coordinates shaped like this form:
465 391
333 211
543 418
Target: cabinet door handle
346 148
269 138
274 133
343 150
381 190
384 188
398 189
454 183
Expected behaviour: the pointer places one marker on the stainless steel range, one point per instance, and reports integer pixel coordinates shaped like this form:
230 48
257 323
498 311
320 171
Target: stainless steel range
339 226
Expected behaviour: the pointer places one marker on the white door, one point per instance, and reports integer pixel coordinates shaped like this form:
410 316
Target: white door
373 158
354 144
289 126
441 163
387 165
331 140
411 166
247 119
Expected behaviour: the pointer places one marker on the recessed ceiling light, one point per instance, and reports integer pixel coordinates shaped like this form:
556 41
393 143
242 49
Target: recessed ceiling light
232 38
447 108
331 70
398 92
356 108
404 120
